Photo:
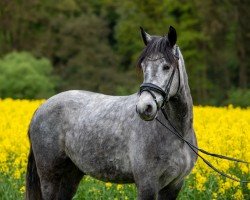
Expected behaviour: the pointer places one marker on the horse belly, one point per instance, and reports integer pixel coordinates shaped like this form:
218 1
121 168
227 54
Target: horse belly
104 158
112 170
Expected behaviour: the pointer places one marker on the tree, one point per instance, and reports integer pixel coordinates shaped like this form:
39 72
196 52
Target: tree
100 41
70 35
155 17
243 41
225 23
24 76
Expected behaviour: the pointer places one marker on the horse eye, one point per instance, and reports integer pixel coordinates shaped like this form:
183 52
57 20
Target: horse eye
165 67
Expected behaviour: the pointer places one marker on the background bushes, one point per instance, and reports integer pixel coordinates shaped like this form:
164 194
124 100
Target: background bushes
24 76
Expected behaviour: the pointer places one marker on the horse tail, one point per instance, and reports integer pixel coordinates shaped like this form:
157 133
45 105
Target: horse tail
33 186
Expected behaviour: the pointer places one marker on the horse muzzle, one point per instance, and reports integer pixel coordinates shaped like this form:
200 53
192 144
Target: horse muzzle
146 107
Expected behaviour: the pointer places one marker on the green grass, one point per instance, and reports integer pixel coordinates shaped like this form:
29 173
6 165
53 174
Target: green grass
92 189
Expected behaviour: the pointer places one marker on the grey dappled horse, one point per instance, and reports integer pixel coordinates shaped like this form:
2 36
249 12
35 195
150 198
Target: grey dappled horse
115 138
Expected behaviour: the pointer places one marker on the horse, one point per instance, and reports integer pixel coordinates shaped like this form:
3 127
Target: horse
115 138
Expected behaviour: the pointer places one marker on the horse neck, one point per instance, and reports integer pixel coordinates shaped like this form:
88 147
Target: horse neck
180 108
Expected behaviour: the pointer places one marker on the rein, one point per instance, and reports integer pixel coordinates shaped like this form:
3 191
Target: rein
195 149
149 87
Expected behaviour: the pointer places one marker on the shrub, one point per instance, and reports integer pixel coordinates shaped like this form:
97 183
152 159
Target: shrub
24 76
239 97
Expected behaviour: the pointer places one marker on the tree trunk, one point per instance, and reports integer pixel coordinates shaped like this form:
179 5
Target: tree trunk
243 42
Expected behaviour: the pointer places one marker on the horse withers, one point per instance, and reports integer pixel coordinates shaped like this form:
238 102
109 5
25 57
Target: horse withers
115 138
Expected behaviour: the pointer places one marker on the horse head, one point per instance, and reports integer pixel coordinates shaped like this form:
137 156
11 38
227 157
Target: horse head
159 64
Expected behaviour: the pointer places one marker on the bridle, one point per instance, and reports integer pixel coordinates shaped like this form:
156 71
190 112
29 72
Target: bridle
151 88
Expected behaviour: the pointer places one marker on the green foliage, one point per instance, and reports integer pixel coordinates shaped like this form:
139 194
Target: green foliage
94 44
239 97
156 21
83 56
134 14
10 187
73 38
24 76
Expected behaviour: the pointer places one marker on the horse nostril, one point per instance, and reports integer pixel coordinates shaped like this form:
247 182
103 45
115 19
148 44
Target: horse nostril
149 109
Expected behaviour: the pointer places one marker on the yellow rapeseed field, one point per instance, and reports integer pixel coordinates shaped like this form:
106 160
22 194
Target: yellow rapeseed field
220 130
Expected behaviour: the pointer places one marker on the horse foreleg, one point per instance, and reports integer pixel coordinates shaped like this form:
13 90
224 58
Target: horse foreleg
61 184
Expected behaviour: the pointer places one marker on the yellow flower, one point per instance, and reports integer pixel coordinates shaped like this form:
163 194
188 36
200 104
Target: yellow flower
15 116
119 187
219 130
214 195
244 169
236 184
227 185
248 186
108 184
221 190
238 195
22 189
224 131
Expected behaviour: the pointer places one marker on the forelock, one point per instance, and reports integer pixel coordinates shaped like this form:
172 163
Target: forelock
157 45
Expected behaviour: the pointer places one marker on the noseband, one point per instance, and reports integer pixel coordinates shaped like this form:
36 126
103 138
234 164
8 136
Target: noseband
150 87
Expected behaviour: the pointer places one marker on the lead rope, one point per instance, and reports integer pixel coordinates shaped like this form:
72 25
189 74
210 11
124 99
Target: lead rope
194 148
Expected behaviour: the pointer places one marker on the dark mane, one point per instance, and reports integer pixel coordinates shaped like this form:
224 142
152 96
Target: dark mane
157 45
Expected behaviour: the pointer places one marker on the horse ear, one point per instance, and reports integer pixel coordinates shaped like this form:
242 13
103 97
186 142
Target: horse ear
145 36
172 36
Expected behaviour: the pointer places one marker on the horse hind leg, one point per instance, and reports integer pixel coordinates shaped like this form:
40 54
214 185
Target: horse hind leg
69 181
49 188
170 192
146 189
61 181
